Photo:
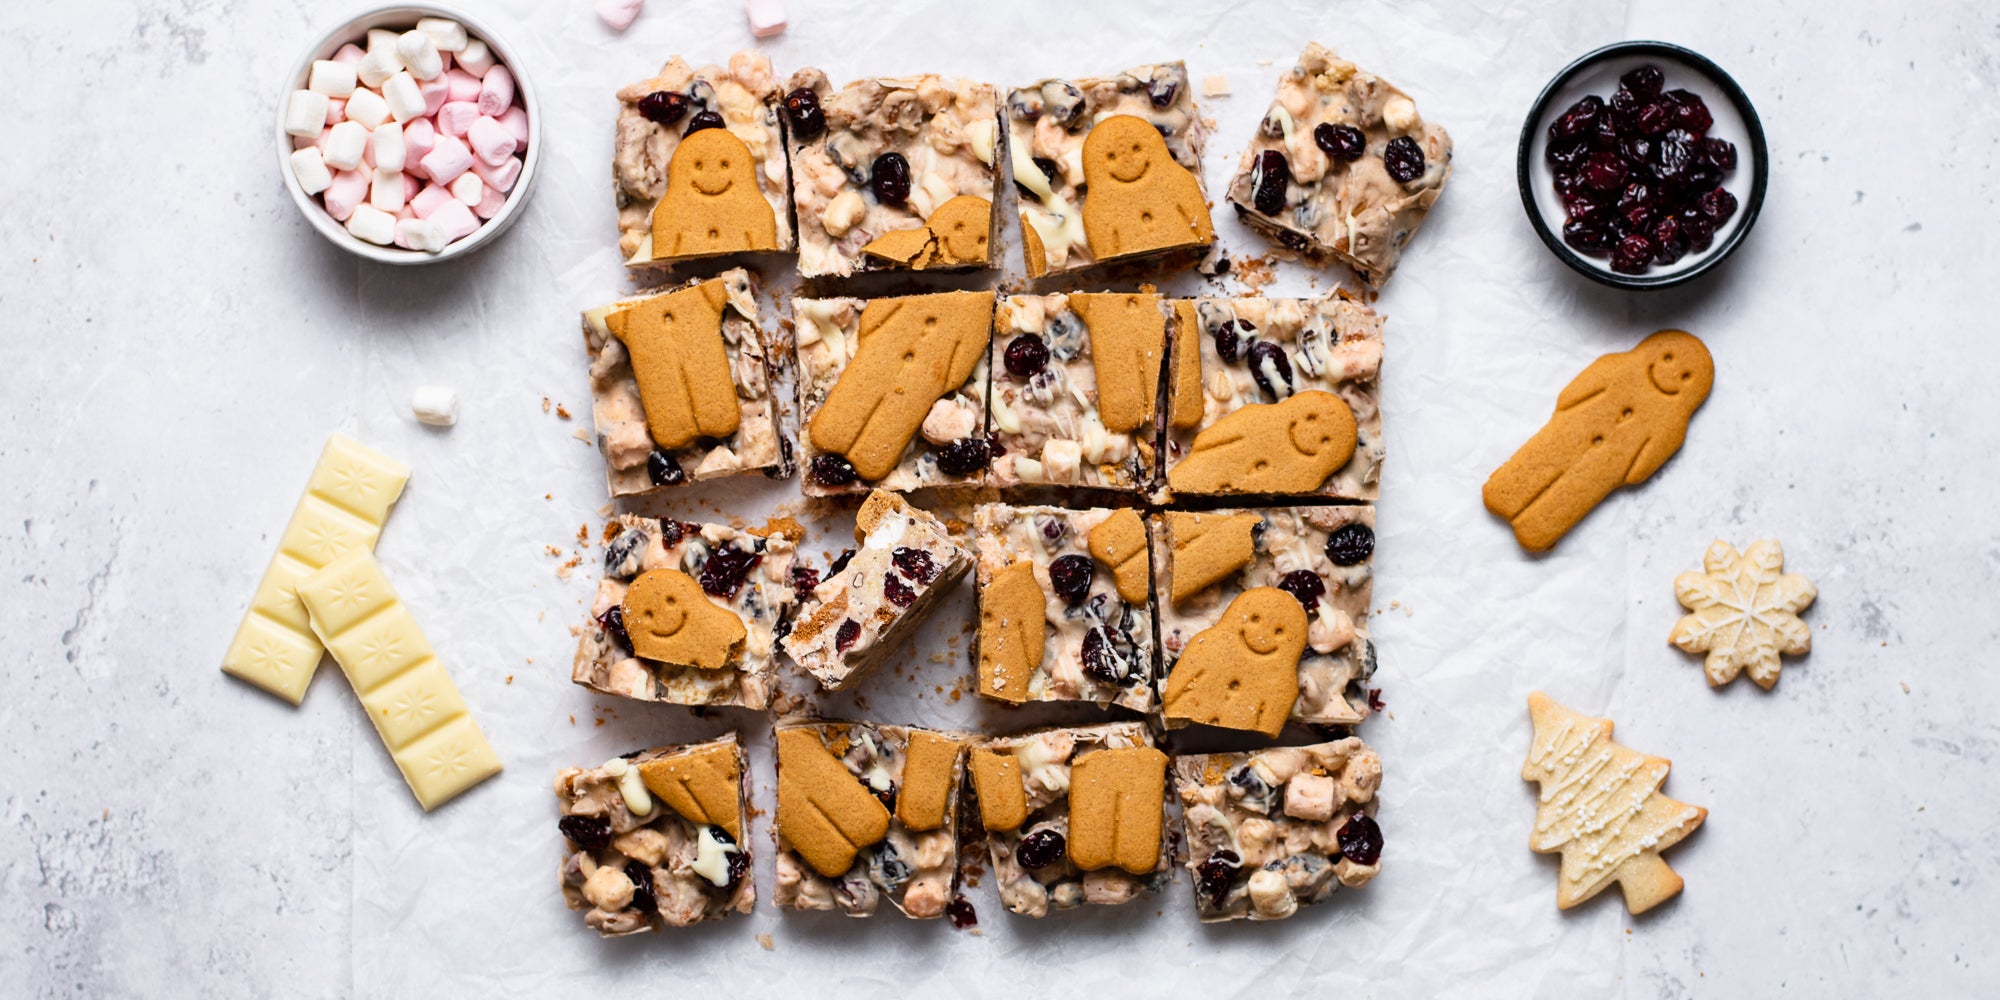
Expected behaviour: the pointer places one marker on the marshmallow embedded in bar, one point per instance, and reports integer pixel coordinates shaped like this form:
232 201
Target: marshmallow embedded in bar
334 79
435 405
448 35
412 701
346 501
305 113
419 53
310 170
372 224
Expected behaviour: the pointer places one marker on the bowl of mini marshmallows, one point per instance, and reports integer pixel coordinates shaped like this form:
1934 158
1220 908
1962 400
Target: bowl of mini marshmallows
409 135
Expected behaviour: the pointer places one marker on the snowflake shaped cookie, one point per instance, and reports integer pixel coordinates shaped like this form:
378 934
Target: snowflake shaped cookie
1745 612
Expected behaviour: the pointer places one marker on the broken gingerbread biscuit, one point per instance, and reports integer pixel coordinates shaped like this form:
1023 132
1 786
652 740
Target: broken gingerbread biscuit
1743 612
1184 396
1242 672
677 354
1207 548
1270 448
670 619
996 778
1012 632
1119 543
703 783
1116 809
825 814
930 776
955 236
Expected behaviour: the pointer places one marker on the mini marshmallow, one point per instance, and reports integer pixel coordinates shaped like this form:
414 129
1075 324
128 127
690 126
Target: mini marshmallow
334 79
496 91
448 35
418 234
464 86
502 176
516 122
348 190
435 405
447 160
456 117
455 218
476 58
418 138
367 107
490 141
305 113
380 63
468 188
767 17
346 144
420 54
372 224
411 186
489 203
336 111
619 14
386 190
350 54
388 147
432 196
436 92
404 98
311 172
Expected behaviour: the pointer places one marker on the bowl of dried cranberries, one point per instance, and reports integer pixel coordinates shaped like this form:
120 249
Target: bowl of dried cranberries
1642 165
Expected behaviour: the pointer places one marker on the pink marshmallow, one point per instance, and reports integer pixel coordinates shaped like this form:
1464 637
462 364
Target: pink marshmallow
496 91
618 14
435 92
490 200
418 137
456 117
502 176
516 123
767 17
456 219
429 199
336 111
464 86
349 189
444 59
405 213
491 141
411 186
447 160
350 54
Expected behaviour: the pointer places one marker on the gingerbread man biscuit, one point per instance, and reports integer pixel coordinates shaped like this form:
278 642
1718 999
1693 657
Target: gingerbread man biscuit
669 619
1288 447
1139 200
712 204
996 778
1013 629
681 364
956 235
1117 800
913 351
824 813
1614 425
1128 337
930 773
703 785
1242 672
1119 543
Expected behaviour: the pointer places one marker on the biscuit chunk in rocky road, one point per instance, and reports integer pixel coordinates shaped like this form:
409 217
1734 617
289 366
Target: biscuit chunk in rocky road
1073 815
687 613
892 173
1108 168
1341 166
893 391
1234 655
1065 606
1076 384
684 194
656 838
1271 831
680 385
1274 397
867 812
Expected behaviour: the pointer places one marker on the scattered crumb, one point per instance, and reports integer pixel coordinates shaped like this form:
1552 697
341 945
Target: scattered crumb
510 678
1215 85
764 942
583 535
1263 62
553 550
1906 686
1255 272
562 411
581 435
600 721
605 511
955 695
546 404
107 813
572 718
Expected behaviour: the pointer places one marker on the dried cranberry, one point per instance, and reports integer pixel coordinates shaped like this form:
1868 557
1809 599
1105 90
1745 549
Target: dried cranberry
1654 117
1274 174
1643 81
1637 152
1040 849
612 621
960 912
1717 205
1305 585
1590 208
1102 659
889 178
1054 529
804 578
663 470
832 470
1690 111
1071 576
964 456
1404 158
1215 875
1637 194
1720 153
1624 105
1375 702
1578 121
1632 254
802 110
1026 355
839 562
723 574
1604 172
1700 232
739 867
643 898
664 107
1669 245
1607 134
1360 839
592 833
703 120
1350 544
1585 238
1635 219
898 592
914 563
1268 362
850 630
1565 158
1343 143
1226 337
1673 157
672 531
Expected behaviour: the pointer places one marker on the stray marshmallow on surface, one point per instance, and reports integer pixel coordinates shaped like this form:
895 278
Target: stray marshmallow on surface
767 17
305 113
1215 85
435 405
448 35
619 14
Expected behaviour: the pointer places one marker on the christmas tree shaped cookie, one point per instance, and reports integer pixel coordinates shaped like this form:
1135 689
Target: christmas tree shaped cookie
1601 808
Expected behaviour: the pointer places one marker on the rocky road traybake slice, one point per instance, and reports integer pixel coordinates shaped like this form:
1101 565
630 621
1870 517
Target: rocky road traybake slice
1341 166
1065 606
1271 831
873 598
680 383
892 172
867 812
1264 615
1076 384
683 193
1109 168
893 391
1274 397
656 838
688 613
1073 815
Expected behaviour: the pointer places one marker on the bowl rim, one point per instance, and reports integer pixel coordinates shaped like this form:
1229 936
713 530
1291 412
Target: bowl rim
357 26
1752 202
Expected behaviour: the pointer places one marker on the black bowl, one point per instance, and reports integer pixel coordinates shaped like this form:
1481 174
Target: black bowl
1597 73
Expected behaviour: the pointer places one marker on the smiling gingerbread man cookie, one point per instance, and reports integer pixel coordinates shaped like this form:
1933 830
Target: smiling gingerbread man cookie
1243 671
1288 447
712 204
1139 200
670 619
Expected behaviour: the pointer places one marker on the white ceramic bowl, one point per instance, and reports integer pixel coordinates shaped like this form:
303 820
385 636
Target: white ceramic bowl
402 18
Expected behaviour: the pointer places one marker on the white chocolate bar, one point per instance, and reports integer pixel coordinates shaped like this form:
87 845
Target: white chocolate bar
346 501
413 702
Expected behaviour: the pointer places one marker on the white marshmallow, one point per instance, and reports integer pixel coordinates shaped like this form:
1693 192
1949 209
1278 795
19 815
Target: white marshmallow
767 17
431 197
404 98
305 113
367 107
334 79
468 188
448 35
502 176
435 405
476 58
419 53
490 141
619 14
349 189
381 62
389 149
448 159
386 192
456 219
372 224
346 144
311 172
496 91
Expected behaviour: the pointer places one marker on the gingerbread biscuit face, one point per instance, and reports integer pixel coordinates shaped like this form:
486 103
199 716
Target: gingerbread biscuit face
712 205
669 619
1615 425
1208 548
1242 672
1075 382
1744 612
1012 632
1141 201
678 357
704 785
1119 543
1274 448
955 236
1116 800
824 812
